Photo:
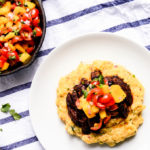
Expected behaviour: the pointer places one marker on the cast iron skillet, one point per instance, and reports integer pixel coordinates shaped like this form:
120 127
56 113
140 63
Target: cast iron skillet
38 42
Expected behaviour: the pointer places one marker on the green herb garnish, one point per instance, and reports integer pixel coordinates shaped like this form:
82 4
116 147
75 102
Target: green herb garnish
101 85
133 76
15 115
19 3
1 130
5 108
34 32
85 93
12 57
100 79
72 127
16 32
22 22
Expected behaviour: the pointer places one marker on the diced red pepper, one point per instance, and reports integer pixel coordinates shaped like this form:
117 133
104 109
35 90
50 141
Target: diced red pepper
106 81
113 107
95 91
95 82
97 126
107 119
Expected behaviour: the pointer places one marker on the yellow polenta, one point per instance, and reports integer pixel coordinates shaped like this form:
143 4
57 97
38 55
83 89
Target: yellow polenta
117 129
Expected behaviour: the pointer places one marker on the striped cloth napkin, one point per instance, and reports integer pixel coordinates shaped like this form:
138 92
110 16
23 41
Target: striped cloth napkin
66 19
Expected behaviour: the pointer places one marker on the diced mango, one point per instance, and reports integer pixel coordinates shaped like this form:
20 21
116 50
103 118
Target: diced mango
19 10
102 114
9 24
19 48
30 5
105 89
1 26
117 93
5 66
25 46
15 18
3 20
89 110
11 47
9 36
25 57
5 9
2 38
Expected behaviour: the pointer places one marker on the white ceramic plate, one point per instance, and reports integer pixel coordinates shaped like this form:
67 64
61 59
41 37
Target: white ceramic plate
47 126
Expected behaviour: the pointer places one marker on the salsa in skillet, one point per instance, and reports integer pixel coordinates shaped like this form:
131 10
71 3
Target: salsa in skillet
19 29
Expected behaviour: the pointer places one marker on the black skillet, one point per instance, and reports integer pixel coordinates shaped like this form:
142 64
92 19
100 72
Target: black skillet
38 42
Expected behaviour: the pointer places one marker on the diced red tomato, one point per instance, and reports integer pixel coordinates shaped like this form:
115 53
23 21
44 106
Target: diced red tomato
105 98
26 16
4 52
110 103
13 6
1 45
30 50
95 99
26 27
13 55
37 31
97 126
26 32
2 61
31 43
27 36
34 12
96 91
101 106
19 1
17 39
36 21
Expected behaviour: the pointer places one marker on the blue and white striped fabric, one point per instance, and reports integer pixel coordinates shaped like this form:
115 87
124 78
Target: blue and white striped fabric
66 19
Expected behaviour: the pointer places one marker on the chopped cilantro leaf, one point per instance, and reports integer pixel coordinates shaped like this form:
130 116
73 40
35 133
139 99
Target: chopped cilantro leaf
133 76
101 85
101 79
1 130
12 57
19 3
72 127
34 32
16 32
85 93
5 108
15 115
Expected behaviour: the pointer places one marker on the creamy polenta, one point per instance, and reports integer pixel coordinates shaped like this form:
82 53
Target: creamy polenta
117 129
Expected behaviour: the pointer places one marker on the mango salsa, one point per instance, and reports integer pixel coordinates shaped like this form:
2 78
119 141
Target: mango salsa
117 93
